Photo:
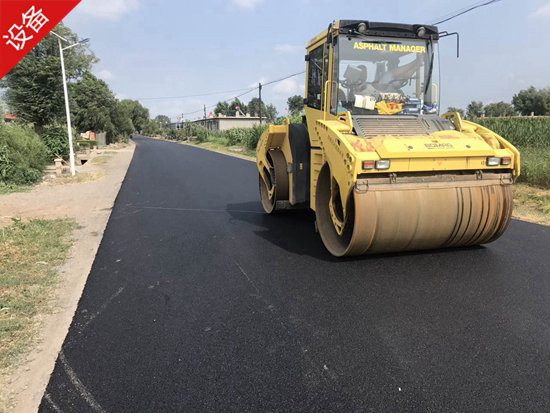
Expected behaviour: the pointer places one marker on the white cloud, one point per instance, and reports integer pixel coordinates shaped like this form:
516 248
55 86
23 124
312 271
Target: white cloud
287 48
542 12
247 4
105 74
108 9
289 87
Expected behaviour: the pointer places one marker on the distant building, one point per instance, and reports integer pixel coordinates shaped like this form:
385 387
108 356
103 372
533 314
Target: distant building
8 117
221 122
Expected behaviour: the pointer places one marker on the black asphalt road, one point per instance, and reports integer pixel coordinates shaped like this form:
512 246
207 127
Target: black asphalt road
198 301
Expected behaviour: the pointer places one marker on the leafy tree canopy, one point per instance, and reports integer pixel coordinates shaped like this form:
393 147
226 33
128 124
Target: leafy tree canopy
270 113
222 108
233 107
474 109
35 87
162 119
138 113
91 104
532 100
454 109
254 107
499 109
295 104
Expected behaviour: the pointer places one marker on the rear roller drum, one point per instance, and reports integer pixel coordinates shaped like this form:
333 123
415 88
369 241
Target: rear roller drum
274 182
335 227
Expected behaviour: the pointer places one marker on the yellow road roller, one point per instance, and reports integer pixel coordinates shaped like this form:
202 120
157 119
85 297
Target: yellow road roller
383 171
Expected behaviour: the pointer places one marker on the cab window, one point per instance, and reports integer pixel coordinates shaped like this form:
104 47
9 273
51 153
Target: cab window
315 78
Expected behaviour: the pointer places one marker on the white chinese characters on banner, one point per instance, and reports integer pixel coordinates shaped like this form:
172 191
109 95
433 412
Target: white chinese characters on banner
31 19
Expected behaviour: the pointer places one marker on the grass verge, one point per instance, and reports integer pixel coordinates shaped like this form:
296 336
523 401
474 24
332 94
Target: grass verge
532 204
10 188
102 159
29 256
82 177
225 148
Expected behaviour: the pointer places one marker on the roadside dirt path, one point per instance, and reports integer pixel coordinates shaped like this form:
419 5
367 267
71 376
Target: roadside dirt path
90 204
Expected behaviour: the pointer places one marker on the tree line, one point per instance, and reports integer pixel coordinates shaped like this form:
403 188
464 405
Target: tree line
527 102
34 92
295 105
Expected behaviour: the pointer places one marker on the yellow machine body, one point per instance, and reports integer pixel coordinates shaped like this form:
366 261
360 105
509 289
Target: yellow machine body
441 188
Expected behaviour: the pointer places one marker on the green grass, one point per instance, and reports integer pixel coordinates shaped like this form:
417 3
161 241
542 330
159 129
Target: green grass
102 159
535 167
10 188
29 256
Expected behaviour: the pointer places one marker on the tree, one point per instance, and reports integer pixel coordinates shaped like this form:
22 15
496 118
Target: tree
270 113
233 107
91 104
254 107
499 109
453 109
34 86
138 113
162 119
532 100
295 104
222 108
121 120
475 109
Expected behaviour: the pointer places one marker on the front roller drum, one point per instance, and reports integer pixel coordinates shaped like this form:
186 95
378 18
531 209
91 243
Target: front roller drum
413 216
274 187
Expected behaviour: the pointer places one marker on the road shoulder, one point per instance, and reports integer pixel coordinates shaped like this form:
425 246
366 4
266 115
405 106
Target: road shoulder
90 203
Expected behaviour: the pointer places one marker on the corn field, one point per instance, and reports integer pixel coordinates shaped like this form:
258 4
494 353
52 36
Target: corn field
532 138
522 132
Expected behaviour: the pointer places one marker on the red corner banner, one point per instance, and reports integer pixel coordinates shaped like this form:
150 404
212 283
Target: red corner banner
23 23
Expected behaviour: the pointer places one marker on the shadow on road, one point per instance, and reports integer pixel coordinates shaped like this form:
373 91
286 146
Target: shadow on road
294 231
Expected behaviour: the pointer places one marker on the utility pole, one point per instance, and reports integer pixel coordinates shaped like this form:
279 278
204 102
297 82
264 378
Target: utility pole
67 110
260 95
204 112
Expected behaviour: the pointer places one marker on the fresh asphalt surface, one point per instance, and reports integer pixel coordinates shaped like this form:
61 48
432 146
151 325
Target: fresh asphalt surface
198 301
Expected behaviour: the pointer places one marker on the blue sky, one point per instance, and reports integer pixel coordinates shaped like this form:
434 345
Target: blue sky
177 48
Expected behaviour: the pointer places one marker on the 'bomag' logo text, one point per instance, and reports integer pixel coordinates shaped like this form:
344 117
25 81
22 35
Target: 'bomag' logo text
438 146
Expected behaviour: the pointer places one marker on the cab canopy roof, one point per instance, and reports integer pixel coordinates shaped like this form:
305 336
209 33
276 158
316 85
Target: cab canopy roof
408 31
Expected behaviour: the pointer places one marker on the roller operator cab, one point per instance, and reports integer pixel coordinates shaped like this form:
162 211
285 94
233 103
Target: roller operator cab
380 167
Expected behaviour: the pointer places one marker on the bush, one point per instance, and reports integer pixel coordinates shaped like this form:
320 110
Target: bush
252 136
56 139
86 143
23 155
292 118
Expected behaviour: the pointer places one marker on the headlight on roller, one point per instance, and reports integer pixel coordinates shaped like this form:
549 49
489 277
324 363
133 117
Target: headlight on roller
493 161
382 164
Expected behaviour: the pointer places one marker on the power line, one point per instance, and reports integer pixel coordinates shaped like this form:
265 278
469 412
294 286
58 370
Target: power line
226 100
193 96
283 78
242 94
466 10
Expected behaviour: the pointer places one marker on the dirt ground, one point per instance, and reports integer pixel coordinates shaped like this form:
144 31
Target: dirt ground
88 199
